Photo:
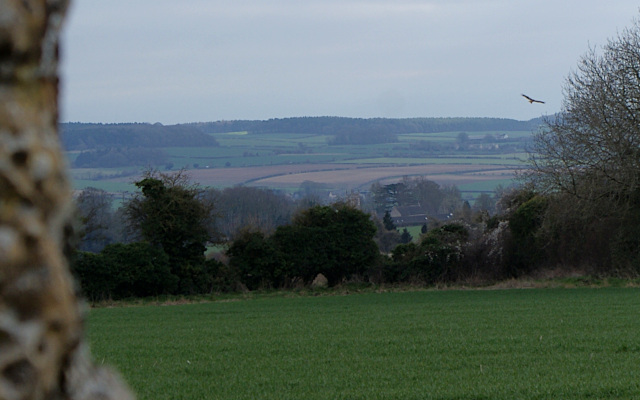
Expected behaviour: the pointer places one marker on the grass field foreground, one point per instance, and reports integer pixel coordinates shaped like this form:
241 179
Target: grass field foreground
475 344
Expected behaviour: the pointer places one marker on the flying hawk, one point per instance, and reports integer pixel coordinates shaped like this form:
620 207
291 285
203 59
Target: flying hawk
531 101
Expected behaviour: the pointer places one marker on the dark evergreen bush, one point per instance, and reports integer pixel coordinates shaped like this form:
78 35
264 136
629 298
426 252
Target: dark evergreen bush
124 270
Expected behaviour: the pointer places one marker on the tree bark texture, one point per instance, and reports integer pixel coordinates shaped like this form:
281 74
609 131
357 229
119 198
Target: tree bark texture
42 350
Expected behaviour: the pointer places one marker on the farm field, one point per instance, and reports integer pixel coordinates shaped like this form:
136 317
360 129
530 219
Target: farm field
459 344
285 161
340 176
347 176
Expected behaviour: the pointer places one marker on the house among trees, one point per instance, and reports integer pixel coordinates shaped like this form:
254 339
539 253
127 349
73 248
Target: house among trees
413 215
408 215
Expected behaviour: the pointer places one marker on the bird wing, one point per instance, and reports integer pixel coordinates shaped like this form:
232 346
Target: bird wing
532 100
527 97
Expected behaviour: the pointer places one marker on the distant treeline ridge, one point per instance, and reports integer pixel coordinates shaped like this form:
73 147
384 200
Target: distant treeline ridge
343 125
84 136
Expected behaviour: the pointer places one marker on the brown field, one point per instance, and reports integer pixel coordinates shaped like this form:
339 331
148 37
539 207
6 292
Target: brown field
348 176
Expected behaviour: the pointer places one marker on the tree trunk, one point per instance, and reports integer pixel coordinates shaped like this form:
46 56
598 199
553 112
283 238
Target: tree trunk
42 350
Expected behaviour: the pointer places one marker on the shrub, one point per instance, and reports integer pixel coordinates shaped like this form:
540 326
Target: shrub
96 281
436 257
335 240
256 261
224 278
524 250
124 270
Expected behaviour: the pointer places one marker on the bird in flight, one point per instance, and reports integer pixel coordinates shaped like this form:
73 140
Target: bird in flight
531 101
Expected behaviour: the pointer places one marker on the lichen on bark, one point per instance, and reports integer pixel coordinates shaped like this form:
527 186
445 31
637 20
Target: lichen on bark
42 350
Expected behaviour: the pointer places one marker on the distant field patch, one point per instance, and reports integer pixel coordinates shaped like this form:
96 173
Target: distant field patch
479 160
241 133
485 186
342 175
119 186
500 136
362 177
235 176
247 140
285 160
483 344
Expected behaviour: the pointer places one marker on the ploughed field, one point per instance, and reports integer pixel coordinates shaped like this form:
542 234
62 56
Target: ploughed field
462 344
349 175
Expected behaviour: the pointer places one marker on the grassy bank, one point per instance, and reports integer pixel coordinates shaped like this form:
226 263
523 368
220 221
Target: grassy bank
459 344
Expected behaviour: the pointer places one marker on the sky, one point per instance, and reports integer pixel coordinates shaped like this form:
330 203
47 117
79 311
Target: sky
184 61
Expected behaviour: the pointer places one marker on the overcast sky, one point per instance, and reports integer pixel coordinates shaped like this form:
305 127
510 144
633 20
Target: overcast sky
175 61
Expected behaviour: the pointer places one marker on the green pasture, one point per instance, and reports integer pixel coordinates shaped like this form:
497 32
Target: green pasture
203 152
106 185
205 156
485 186
475 344
296 142
246 153
452 136
271 139
322 158
415 232
240 133
471 191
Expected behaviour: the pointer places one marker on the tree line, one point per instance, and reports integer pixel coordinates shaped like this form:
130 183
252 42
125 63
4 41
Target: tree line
239 207
367 130
90 136
273 240
125 145
113 157
169 223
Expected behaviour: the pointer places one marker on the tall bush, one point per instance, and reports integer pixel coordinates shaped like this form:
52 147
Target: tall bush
172 214
256 260
124 270
590 152
436 258
524 249
335 240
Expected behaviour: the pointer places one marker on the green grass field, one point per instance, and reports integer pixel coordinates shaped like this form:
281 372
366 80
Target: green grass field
106 185
485 186
477 344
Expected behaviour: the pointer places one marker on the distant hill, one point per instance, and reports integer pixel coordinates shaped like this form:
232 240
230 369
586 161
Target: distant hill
91 136
85 136
367 130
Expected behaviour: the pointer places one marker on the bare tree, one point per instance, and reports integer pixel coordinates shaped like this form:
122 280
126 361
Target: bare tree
97 219
591 150
588 157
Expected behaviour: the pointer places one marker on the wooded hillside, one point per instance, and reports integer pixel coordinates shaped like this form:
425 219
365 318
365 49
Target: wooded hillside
83 136
367 131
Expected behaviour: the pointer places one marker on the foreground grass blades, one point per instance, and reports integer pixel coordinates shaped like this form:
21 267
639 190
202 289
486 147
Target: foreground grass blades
479 344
